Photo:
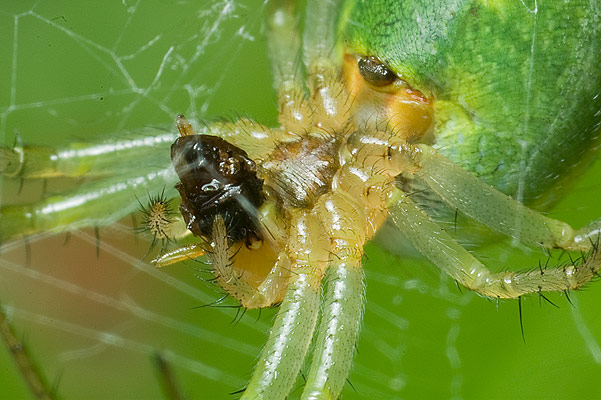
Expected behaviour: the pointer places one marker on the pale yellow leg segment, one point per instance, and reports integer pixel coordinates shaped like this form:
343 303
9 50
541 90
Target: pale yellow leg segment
440 248
284 48
180 254
319 40
255 139
286 347
290 336
328 94
284 45
345 220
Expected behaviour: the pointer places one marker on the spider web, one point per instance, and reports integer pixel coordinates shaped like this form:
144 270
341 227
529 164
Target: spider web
93 322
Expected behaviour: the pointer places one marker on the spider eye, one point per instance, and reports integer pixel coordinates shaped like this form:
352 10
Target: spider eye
375 72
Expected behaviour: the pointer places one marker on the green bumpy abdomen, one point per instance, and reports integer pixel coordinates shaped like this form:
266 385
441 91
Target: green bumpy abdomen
517 84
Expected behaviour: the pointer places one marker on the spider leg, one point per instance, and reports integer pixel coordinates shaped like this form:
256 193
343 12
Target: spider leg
179 254
465 192
329 98
350 217
140 163
289 339
319 39
285 50
95 159
122 167
319 42
284 46
440 248
234 282
290 336
342 309
96 203
257 140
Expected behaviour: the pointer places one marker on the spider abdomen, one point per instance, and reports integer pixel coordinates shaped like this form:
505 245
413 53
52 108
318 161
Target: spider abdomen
518 110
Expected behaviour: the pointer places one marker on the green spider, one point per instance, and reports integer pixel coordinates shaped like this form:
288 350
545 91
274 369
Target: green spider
443 101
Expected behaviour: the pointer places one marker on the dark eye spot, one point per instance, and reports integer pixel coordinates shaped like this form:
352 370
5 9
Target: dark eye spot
375 72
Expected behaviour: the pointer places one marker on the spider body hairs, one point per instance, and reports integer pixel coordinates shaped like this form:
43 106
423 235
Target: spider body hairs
442 97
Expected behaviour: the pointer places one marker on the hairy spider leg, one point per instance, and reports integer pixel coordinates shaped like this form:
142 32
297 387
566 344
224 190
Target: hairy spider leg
457 187
347 224
447 254
96 203
340 321
113 164
224 256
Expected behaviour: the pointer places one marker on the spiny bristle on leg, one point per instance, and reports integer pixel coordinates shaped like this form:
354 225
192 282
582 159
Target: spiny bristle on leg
160 220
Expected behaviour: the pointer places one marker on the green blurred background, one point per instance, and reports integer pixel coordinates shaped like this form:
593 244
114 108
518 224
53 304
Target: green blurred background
79 70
